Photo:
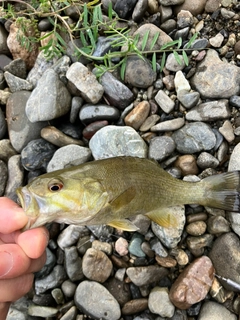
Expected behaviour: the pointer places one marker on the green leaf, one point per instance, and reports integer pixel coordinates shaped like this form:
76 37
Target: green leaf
145 39
60 39
177 57
185 58
110 10
91 37
154 40
163 61
179 43
169 44
83 39
123 68
192 39
85 16
154 62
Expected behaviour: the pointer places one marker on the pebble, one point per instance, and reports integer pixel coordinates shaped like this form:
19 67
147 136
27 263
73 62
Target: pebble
15 177
57 137
49 100
121 246
170 237
194 7
160 148
138 115
215 79
42 312
15 83
235 100
227 131
70 235
173 65
168 125
145 275
194 137
73 264
139 10
115 91
216 41
135 306
21 130
139 72
68 288
167 262
197 228
181 83
188 99
67 156
91 113
37 154
71 314
215 311
89 131
76 105
187 164
157 247
234 162
209 111
193 284
206 160
217 224
199 242
3 177
164 102
87 299
180 255
134 247
49 265
113 141
96 265
149 122
159 302
184 19
86 82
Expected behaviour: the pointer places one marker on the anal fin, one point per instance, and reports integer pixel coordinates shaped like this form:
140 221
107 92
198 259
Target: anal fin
164 217
123 224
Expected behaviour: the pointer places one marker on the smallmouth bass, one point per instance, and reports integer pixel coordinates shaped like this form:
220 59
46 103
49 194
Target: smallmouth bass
111 190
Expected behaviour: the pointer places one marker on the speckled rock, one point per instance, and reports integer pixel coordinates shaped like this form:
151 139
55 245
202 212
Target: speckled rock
161 147
164 101
160 303
209 111
113 141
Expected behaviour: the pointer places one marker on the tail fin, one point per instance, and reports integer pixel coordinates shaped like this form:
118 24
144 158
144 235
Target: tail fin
223 191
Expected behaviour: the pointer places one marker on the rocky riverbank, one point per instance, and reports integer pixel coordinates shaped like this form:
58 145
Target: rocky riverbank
56 113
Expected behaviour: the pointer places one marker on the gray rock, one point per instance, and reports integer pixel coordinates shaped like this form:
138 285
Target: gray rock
184 19
217 225
206 160
41 311
149 122
6 150
234 162
87 299
234 219
194 137
168 125
49 100
146 275
227 131
158 248
21 130
68 156
235 101
16 314
68 288
113 141
139 72
73 264
71 314
139 10
171 2
17 67
173 65
86 82
124 7
209 111
226 248
171 236
215 79
160 303
76 105
17 84
53 280
104 45
70 235
91 113
188 99
15 177
211 310
3 177
160 148
3 40
135 245
115 91
3 124
163 100
49 265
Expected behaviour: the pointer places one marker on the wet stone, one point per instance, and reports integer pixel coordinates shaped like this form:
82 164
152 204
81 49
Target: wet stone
91 113
161 147
193 284
159 302
87 299
37 154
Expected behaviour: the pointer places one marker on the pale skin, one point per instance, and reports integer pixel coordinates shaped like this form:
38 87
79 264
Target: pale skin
21 254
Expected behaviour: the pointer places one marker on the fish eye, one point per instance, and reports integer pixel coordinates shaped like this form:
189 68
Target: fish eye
55 185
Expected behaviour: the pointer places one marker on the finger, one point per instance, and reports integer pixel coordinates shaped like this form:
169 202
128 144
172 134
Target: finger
33 242
12 217
4 307
37 264
13 261
15 288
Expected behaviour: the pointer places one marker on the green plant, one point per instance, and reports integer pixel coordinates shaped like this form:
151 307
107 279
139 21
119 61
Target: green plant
89 26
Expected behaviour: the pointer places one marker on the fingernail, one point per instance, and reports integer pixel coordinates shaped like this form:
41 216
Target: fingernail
6 263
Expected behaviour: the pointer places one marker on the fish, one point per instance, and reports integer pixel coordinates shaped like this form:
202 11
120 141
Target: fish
111 191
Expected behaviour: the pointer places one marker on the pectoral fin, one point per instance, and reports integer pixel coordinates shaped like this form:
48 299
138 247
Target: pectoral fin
123 199
123 224
163 217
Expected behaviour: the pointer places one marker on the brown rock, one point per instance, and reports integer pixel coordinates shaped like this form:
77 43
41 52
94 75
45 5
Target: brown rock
195 7
193 283
119 289
135 306
187 164
138 115
196 228
96 265
58 138
237 47
166 262
93 127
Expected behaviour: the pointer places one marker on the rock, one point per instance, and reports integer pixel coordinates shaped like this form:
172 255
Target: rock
121 246
194 137
171 2
226 248
227 131
113 141
68 288
3 177
92 128
86 82
216 41
187 164
134 247
3 41
135 306
184 19
57 137
206 160
139 10
197 228
138 115
164 102
160 148
73 264
215 79
90 113
49 100
122 294
199 242
48 267
3 124
76 105
157 247
124 7
103 46
168 125
15 177
41 311
193 284
149 122
234 162
214 311
87 300
68 156
171 236
188 99
102 246
209 111
115 91
139 72
141 276
218 224
6 150
37 154
173 65
21 130
194 7
96 265
70 235
17 84
160 303
167 262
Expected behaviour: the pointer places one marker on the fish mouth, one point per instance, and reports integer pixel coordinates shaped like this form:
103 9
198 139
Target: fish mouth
24 197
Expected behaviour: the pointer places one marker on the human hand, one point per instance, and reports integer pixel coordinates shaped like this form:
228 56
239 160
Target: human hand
21 253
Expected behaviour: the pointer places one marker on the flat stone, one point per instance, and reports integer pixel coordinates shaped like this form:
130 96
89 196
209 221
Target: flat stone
113 141
160 148
168 125
138 115
227 131
86 82
149 122
193 284
41 311
164 102
135 306
17 84
90 113
217 225
141 276
58 138
206 160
